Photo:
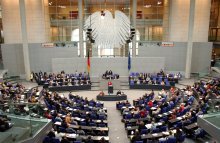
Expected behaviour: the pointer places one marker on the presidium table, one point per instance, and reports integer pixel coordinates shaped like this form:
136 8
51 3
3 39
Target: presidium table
111 97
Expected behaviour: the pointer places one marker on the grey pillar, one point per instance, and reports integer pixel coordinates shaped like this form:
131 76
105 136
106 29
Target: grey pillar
80 28
190 39
24 39
134 14
166 20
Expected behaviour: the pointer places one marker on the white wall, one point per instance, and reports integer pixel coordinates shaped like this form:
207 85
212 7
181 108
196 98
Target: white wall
100 65
179 20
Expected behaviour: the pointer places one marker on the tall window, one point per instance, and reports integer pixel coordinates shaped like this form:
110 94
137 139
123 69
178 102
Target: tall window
75 38
137 43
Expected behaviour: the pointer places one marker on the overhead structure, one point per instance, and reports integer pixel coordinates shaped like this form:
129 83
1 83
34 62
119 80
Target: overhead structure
108 31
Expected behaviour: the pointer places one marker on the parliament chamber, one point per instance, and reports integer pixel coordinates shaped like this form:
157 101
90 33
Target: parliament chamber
109 71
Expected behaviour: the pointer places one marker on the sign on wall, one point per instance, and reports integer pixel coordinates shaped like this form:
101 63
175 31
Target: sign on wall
167 44
47 45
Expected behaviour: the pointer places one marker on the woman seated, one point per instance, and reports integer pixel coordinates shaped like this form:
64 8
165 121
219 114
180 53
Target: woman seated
101 93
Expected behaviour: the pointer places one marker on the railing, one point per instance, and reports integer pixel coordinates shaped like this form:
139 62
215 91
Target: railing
26 123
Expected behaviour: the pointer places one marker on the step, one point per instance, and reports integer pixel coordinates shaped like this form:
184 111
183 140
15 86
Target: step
95 88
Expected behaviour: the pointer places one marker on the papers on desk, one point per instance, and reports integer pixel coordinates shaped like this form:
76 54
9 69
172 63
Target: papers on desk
165 133
159 123
71 135
38 93
131 107
179 118
58 123
148 126
165 113
173 131
160 115
155 134
153 108
170 112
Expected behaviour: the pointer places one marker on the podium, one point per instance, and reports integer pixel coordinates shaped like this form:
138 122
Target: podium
110 89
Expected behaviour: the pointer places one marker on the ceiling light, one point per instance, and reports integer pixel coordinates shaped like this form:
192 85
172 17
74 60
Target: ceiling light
147 5
159 2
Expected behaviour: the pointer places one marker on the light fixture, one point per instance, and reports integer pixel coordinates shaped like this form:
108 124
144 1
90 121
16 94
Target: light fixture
147 5
102 15
159 2
50 3
61 6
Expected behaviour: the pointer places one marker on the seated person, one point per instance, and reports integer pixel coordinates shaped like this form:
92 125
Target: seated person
68 119
178 134
136 137
4 124
80 131
33 99
89 140
119 92
101 93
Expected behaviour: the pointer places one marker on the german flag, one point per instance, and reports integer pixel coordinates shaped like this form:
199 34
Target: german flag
88 63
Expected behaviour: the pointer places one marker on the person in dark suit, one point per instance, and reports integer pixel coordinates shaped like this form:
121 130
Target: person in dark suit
178 133
110 72
136 137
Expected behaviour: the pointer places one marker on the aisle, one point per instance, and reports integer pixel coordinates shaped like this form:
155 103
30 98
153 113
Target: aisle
117 131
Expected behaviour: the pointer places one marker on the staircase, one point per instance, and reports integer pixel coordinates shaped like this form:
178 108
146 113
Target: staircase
96 83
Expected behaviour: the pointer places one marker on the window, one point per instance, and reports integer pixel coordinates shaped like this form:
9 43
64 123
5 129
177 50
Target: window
75 38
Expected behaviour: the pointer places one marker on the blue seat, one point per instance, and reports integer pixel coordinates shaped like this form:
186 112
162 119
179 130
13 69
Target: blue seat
62 129
83 123
101 117
156 130
47 139
163 141
101 125
163 128
56 141
144 131
182 138
137 116
128 116
171 140
77 142
92 124
131 82
93 116
139 141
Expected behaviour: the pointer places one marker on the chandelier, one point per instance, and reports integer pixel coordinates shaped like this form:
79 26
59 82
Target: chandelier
107 31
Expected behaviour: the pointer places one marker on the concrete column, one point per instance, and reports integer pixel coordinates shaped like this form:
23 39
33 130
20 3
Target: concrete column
134 14
38 23
178 20
201 20
37 19
166 20
24 39
190 39
80 28
11 21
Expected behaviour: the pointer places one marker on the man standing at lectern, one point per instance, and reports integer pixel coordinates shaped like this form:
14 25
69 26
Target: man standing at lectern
110 87
109 83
